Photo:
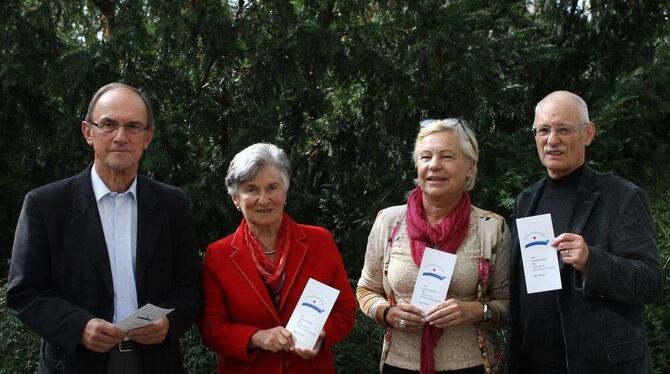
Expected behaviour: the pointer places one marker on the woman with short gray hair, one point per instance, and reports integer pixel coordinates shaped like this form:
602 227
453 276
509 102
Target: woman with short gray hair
247 163
254 278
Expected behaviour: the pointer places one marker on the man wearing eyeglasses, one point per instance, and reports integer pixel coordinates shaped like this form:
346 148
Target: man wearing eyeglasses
609 262
91 249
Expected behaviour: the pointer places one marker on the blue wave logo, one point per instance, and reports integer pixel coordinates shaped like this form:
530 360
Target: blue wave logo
318 310
438 276
537 242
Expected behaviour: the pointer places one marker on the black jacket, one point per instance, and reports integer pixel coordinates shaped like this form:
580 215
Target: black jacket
60 276
601 311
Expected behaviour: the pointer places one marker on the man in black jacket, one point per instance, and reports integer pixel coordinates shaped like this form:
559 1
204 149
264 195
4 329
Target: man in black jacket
609 262
91 249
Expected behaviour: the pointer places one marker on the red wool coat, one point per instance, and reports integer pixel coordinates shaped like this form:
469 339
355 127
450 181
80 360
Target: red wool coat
237 302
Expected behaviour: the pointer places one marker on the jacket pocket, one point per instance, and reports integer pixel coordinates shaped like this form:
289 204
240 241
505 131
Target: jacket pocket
52 359
625 351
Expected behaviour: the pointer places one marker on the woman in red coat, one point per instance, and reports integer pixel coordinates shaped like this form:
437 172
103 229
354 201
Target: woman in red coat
253 278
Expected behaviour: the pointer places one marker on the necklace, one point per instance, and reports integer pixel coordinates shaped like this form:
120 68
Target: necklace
270 252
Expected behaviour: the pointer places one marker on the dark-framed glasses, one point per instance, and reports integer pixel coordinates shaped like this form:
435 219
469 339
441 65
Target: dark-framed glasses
561 130
109 127
453 122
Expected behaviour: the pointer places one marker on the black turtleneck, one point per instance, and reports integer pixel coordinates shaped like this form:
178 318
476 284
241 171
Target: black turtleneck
540 324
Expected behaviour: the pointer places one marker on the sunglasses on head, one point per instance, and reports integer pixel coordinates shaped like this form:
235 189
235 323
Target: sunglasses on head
454 122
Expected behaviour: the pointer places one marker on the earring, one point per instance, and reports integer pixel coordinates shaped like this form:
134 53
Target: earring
238 208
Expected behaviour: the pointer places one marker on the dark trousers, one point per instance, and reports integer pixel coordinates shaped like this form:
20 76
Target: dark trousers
394 370
526 367
124 362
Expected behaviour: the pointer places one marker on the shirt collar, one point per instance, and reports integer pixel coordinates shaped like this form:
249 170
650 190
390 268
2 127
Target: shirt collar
101 190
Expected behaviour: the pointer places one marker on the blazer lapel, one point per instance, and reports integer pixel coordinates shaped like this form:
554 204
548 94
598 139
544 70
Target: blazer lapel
527 202
295 259
587 195
529 206
242 260
149 222
88 228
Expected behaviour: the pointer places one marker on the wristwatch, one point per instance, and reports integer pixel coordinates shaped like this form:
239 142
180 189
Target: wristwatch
488 313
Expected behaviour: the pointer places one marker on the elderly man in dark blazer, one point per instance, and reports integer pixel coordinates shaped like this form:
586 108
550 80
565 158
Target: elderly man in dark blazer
609 262
91 249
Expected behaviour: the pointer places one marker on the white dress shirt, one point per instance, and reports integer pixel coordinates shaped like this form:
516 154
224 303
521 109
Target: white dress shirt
118 214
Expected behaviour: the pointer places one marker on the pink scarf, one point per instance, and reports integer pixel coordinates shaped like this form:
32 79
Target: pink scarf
446 236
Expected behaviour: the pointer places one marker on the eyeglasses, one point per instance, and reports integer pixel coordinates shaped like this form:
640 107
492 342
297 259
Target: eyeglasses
561 130
449 122
109 127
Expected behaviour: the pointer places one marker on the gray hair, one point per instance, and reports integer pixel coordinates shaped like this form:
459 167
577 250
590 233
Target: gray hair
113 86
575 101
466 140
246 164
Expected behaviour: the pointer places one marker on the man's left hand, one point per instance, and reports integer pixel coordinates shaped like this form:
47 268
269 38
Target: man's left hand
151 334
573 250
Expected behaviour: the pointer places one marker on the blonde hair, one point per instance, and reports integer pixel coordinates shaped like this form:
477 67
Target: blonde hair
466 140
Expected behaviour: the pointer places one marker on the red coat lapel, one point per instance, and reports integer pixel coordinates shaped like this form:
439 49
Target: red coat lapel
242 260
294 261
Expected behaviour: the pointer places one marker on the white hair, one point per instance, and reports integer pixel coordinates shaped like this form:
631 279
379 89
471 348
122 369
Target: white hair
246 164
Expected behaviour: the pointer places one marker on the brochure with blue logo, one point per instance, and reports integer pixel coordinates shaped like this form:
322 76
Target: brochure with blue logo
147 314
311 313
432 281
540 259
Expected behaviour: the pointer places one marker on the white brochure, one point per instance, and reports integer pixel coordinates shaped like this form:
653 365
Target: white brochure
432 282
311 313
145 315
540 259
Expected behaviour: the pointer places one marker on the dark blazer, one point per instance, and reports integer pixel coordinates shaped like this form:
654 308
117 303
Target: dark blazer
601 311
237 302
60 276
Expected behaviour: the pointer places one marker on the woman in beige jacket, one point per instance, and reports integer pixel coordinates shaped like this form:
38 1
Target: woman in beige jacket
456 335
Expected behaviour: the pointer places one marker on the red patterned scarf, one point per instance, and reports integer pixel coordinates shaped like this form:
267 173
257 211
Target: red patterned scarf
446 236
271 271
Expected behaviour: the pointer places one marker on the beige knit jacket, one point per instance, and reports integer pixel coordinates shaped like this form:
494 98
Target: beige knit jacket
492 242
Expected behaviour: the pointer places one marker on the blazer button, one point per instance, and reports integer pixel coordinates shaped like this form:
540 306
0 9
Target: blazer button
287 363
